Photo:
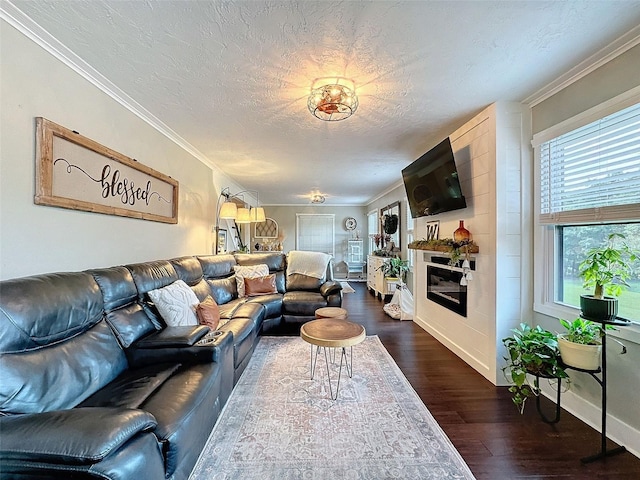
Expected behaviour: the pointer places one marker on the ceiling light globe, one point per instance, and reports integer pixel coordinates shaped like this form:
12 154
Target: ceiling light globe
332 102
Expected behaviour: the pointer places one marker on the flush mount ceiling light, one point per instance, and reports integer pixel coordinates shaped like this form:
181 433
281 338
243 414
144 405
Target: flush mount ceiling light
317 198
332 102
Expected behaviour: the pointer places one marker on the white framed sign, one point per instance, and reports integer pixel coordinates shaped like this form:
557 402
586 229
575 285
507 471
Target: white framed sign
78 173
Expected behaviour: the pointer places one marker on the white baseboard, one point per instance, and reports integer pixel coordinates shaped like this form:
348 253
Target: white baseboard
617 430
591 414
475 363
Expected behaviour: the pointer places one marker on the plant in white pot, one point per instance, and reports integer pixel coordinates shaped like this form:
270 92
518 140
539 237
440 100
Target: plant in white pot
581 346
606 269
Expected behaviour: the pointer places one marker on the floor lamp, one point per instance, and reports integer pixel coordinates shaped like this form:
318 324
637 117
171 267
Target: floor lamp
229 210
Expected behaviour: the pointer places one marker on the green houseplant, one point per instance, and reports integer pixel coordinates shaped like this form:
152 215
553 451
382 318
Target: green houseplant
606 269
581 346
531 351
395 268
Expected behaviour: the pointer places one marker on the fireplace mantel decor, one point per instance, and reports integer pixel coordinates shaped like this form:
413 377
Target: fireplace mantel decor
78 173
441 245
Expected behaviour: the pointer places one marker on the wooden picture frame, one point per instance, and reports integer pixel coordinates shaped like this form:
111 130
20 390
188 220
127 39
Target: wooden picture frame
75 172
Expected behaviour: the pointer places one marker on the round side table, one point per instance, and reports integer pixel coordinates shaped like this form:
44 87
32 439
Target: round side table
332 312
332 333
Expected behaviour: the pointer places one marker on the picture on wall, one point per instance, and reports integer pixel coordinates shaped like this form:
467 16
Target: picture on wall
75 172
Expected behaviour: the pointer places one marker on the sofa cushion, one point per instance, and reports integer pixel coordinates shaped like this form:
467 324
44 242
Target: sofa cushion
44 309
62 374
298 281
272 304
208 313
125 315
217 266
302 303
202 290
188 269
176 303
223 290
251 271
276 261
151 276
130 323
244 335
186 407
131 388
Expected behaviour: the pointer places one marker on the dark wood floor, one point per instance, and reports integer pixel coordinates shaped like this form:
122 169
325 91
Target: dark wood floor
494 439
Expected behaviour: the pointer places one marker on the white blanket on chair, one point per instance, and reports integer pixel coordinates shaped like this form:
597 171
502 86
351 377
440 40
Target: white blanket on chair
312 264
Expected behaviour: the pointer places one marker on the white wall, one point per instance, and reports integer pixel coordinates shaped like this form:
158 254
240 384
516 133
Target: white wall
36 239
285 216
490 151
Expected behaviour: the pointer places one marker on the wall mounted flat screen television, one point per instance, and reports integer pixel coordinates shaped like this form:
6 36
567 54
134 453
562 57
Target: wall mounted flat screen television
432 183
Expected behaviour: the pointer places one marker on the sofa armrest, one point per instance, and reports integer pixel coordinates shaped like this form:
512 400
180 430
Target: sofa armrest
202 351
173 337
77 436
329 288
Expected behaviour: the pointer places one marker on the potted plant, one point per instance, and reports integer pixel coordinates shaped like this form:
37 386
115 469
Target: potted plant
531 351
395 268
605 269
581 346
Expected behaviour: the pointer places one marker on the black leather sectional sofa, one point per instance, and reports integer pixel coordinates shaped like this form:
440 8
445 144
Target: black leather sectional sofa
93 384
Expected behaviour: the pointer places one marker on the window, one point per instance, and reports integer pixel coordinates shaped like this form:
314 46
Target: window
593 171
315 232
409 234
372 229
588 186
572 244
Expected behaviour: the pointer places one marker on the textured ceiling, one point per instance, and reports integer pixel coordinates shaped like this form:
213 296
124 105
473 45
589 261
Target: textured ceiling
232 78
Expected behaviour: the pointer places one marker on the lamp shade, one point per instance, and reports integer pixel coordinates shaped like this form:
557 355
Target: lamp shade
244 216
228 211
257 215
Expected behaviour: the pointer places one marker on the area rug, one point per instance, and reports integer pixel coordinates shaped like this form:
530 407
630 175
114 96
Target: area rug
280 424
346 288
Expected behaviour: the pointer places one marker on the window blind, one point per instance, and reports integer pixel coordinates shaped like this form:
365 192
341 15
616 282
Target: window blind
593 173
315 232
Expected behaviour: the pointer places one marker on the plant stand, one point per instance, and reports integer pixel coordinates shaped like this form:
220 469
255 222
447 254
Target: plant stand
602 381
556 419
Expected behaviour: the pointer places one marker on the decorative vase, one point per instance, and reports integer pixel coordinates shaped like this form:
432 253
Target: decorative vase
578 355
461 234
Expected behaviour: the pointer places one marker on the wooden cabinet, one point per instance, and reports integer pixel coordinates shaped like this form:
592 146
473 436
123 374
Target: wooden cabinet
376 282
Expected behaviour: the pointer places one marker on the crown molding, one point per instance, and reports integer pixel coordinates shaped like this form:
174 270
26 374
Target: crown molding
584 68
386 192
25 25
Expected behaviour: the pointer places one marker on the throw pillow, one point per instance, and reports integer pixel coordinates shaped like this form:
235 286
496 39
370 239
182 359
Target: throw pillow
208 313
260 285
248 271
176 304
